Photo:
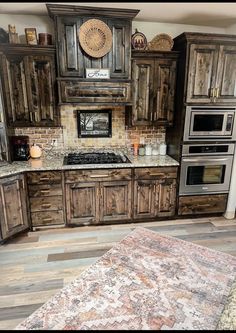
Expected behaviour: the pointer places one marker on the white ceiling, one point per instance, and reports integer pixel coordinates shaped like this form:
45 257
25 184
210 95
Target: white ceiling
207 14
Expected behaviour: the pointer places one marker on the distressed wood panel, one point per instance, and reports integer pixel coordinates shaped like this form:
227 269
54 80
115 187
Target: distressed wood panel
13 206
201 204
82 203
164 101
46 203
47 218
226 74
91 92
97 175
144 199
201 72
166 197
115 201
45 190
44 177
155 173
142 91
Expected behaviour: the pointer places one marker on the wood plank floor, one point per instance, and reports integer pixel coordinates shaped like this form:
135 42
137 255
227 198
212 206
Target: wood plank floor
34 266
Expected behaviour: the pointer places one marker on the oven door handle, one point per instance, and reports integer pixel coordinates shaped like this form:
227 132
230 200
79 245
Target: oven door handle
209 159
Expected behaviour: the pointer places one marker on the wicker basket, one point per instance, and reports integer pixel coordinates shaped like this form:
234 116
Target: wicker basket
162 42
95 38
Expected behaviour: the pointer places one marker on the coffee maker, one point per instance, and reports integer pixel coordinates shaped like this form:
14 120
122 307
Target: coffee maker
20 148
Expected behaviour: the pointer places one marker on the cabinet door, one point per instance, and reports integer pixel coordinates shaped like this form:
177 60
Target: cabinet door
164 91
82 203
14 89
144 198
226 74
40 88
13 206
69 63
115 201
119 56
166 197
142 89
201 73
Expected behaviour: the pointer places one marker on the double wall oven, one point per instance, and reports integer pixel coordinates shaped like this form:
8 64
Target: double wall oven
207 150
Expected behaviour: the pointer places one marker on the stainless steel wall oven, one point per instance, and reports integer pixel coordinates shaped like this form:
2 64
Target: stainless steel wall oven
206 168
210 123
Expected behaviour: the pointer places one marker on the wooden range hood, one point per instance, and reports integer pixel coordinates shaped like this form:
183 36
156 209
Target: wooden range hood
72 60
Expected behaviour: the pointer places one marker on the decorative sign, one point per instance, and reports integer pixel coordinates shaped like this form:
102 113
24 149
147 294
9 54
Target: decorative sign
93 73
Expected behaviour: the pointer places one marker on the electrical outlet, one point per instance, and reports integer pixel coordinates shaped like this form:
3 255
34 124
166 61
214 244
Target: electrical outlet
54 142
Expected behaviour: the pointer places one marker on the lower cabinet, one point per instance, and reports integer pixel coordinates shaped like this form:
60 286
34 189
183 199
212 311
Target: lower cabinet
154 192
202 204
90 199
13 206
115 200
46 198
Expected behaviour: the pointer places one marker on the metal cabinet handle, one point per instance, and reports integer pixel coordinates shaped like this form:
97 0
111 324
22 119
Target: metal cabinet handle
44 178
100 176
45 191
212 92
210 160
46 205
47 219
217 92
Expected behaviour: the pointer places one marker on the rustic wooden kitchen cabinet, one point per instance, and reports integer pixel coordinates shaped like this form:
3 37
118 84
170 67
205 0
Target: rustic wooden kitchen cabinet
210 67
74 61
73 85
154 192
46 198
28 80
94 196
13 206
202 204
153 87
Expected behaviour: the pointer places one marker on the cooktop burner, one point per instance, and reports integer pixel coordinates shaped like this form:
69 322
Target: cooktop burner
94 158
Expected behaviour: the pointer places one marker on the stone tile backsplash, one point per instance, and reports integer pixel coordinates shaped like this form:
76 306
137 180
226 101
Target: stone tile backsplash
67 135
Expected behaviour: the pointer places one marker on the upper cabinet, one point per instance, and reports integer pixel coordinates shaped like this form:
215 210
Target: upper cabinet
28 80
153 87
74 59
210 67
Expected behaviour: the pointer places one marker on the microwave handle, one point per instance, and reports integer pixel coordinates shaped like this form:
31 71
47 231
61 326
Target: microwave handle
210 160
229 122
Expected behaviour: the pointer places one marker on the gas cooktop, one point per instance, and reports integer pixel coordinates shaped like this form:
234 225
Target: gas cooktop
95 158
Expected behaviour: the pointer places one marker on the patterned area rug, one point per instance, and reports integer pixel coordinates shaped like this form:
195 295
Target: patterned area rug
146 281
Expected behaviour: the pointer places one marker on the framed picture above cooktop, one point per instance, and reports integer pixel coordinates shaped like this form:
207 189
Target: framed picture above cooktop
94 124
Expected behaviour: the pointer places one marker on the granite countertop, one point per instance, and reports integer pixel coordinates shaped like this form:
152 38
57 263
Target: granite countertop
55 162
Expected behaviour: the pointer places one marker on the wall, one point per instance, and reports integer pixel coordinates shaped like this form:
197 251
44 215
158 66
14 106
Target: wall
150 29
66 135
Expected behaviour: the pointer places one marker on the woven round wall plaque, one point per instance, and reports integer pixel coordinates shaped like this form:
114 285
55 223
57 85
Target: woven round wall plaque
162 42
95 38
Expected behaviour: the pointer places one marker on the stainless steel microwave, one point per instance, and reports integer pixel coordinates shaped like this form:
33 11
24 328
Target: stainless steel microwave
210 122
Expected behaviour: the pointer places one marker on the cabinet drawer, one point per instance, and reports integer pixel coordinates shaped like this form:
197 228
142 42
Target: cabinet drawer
46 177
97 175
85 92
155 173
46 203
47 218
44 190
202 204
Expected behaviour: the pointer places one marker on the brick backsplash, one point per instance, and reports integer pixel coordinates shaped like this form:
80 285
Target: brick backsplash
67 134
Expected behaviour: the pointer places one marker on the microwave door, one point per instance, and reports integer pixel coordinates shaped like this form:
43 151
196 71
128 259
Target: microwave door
207 124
